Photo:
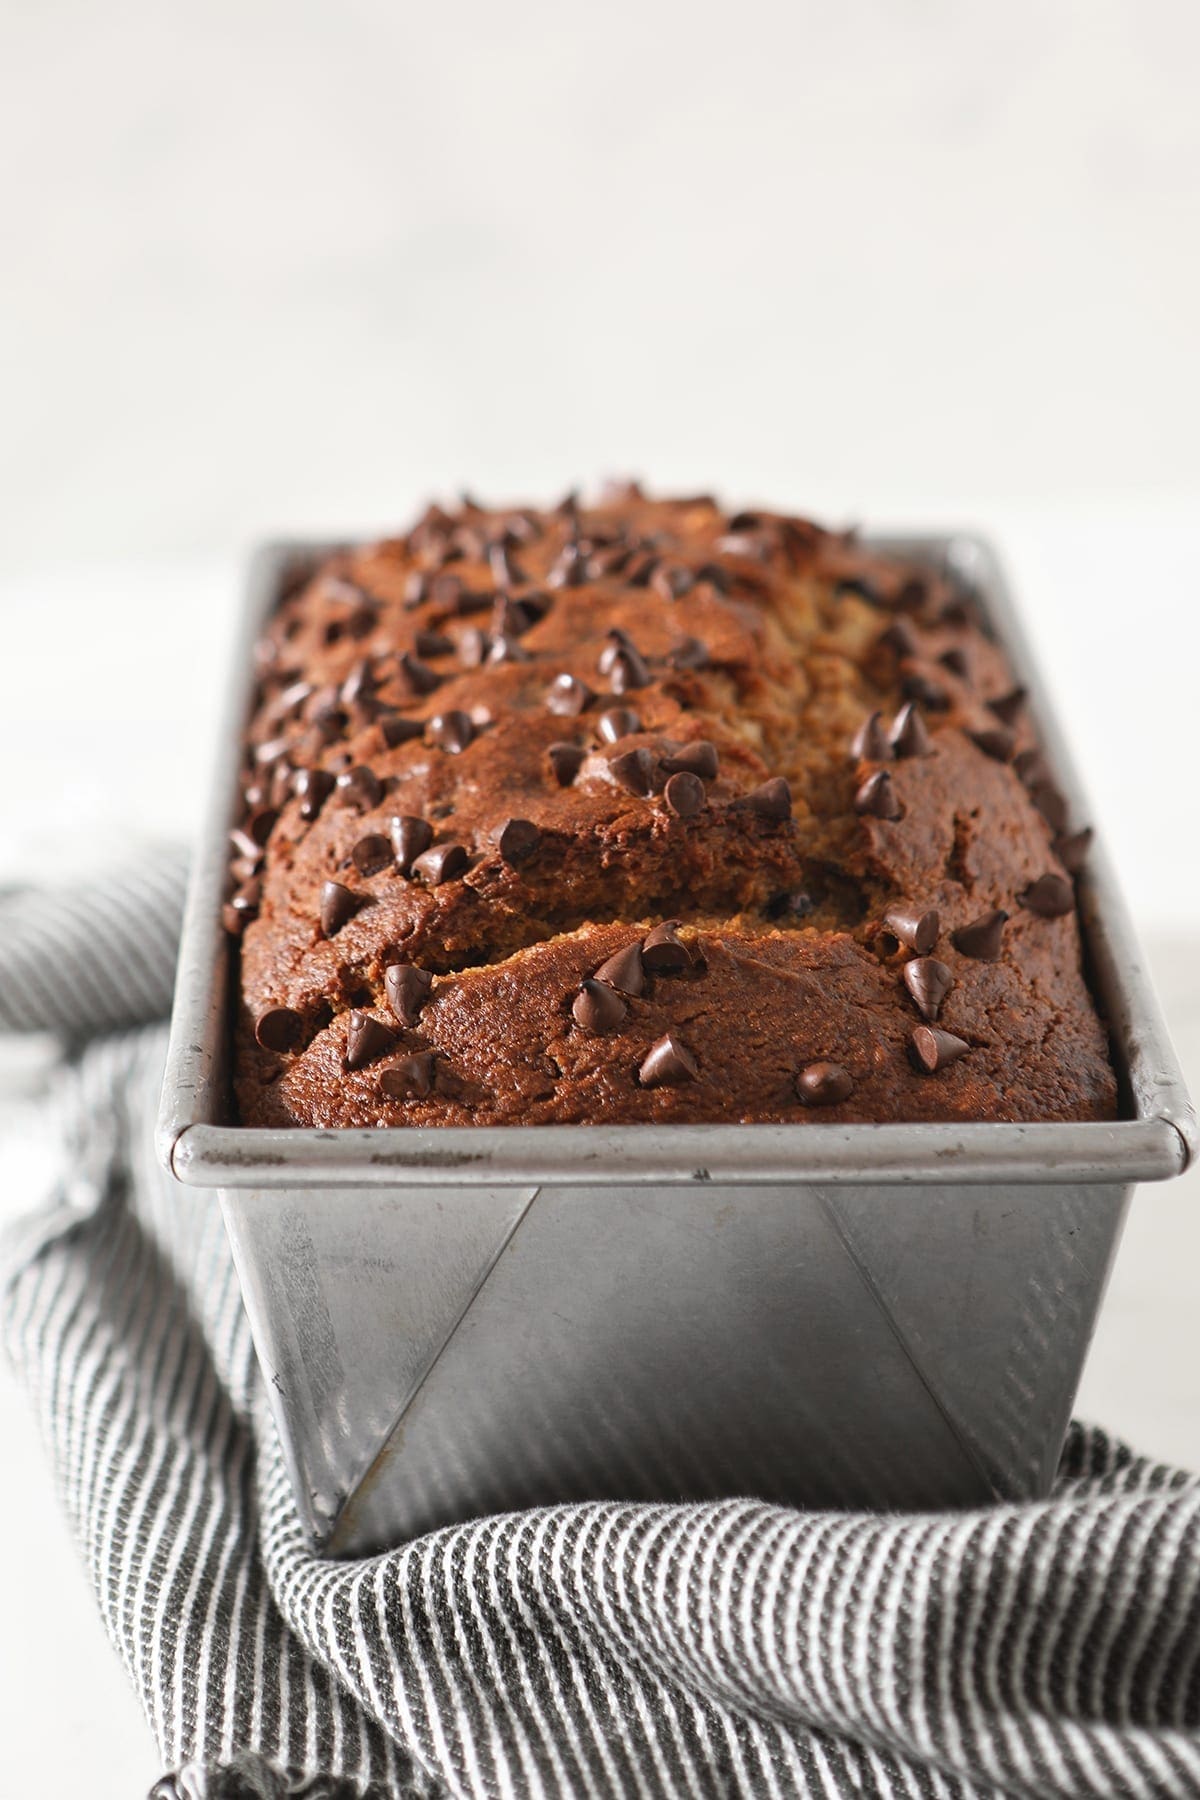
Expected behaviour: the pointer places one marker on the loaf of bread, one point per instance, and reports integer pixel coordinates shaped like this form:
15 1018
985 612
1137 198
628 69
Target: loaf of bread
637 811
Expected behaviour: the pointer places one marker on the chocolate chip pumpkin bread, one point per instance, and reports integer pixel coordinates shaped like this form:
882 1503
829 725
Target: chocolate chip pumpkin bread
637 811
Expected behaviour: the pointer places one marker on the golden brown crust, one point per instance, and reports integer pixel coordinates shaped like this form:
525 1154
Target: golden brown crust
766 639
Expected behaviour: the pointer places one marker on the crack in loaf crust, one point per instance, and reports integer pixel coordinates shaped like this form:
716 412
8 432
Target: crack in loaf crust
633 684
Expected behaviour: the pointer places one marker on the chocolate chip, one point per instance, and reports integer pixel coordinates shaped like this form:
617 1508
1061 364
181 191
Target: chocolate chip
442 863
597 1007
279 1029
569 569
771 800
270 751
916 930
359 684
1051 804
505 572
623 970
909 736
451 731
474 647
983 937
932 1049
616 723
996 741
1050 896
248 851
698 758
689 653
360 788
366 1039
823 1084
877 797
566 760
416 677
416 589
238 911
1072 851
397 730
433 643
410 836
634 771
568 697
672 581
640 571
447 590
512 618
517 839
663 952
407 989
901 638
628 673
955 659
869 743
371 854
928 981
1009 707
409 1079
507 649
667 1063
338 904
795 905
684 795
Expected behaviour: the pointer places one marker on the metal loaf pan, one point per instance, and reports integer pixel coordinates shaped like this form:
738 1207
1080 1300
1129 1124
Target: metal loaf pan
458 1321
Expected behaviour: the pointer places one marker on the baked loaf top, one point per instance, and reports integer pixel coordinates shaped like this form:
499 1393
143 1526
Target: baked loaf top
639 811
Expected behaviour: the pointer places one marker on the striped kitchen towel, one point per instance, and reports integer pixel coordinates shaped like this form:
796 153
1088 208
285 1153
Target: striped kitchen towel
596 1650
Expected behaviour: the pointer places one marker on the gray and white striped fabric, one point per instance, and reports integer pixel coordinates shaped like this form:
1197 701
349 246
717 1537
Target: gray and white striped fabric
597 1650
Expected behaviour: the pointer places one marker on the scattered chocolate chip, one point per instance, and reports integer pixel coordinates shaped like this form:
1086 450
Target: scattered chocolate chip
909 735
568 697
623 971
367 1038
901 638
928 981
916 930
1032 768
505 572
983 937
507 649
634 771
566 760
1051 804
270 751
667 1063
512 618
433 643
279 1029
407 988
416 589
663 952
823 1084
371 854
1049 897
698 758
441 863
451 731
955 659
618 722
869 743
248 851
1072 851
570 569
684 795
397 730
672 581
410 836
1009 707
628 672
689 653
474 647
926 693
517 839
338 904
359 684
447 590
640 570
240 908
415 676
932 1050
996 741
877 797
409 1079
597 1007
360 788
771 799
795 905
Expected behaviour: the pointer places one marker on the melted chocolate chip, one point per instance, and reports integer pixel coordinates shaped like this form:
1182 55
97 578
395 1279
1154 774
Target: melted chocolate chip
915 929
869 743
623 970
451 731
928 981
411 1078
371 854
663 952
932 1050
598 1008
771 800
444 862
279 1029
616 723
517 839
410 836
823 1084
634 771
337 904
698 758
983 938
909 736
667 1063
360 788
568 697
566 760
367 1038
877 797
684 795
407 988
1049 897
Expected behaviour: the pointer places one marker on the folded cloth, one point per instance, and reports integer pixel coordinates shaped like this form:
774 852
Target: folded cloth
592 1650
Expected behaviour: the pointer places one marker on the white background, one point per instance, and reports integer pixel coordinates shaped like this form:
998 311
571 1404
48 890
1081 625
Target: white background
271 267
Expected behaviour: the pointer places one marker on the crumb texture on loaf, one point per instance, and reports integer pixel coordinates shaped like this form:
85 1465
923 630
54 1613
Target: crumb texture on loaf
636 811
